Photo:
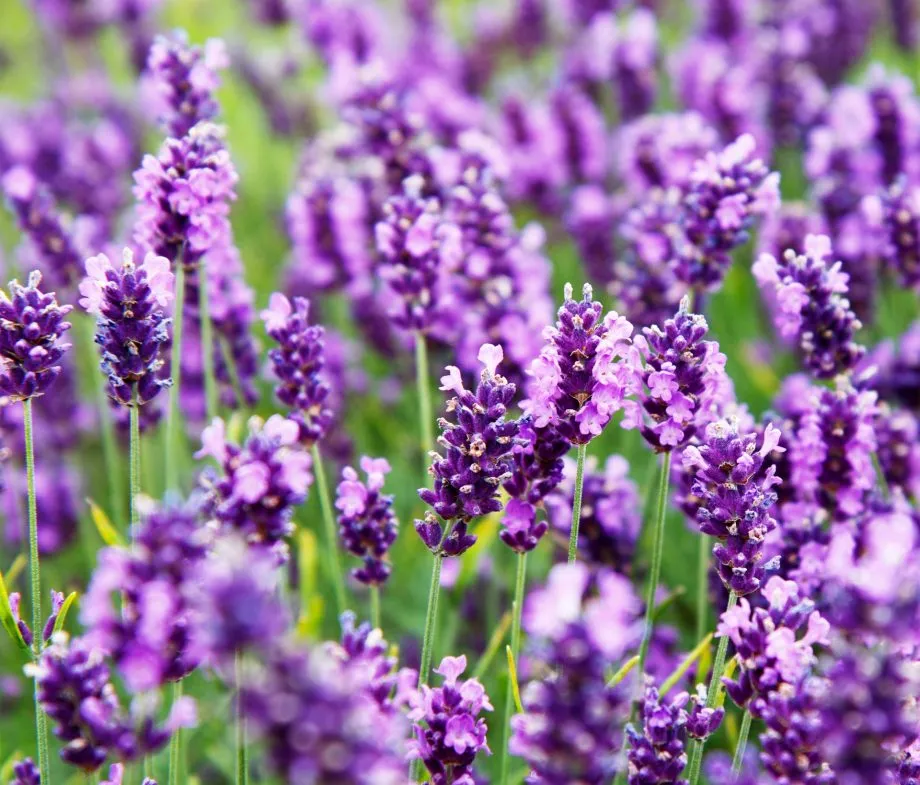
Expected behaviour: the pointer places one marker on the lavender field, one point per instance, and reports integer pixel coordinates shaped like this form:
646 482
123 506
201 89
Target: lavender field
465 392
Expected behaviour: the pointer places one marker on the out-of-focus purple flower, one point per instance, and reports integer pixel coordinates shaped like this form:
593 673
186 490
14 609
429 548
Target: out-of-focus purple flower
897 375
579 380
342 32
571 728
734 499
590 221
31 326
318 722
75 690
131 325
786 228
905 23
53 243
635 64
135 609
185 78
259 483
718 770
298 362
478 456
26 773
611 515
678 376
367 523
897 213
812 307
897 435
57 491
581 125
449 733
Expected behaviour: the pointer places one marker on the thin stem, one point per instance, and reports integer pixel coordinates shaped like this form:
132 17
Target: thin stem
880 478
41 731
702 587
576 504
712 697
375 607
332 545
242 763
742 743
423 388
657 549
172 415
515 651
431 616
232 371
135 463
207 343
175 743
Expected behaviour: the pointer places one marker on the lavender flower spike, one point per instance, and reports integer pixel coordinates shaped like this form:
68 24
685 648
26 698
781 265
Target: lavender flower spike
130 305
812 306
478 455
579 379
31 326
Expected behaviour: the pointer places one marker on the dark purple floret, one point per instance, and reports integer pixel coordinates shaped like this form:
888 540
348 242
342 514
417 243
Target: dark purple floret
449 733
477 455
40 222
26 773
538 464
185 77
31 326
299 363
131 326
367 523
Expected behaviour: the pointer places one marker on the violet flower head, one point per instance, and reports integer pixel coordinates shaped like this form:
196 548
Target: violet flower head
259 483
898 213
580 378
38 219
571 728
367 523
725 192
812 307
299 362
129 304
679 376
318 723
735 498
417 246
15 602
477 456
185 77
26 772
31 326
449 733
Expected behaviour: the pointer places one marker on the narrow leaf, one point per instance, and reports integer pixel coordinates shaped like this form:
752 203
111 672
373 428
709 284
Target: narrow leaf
692 657
623 672
512 674
493 646
107 531
667 602
311 602
16 568
7 620
728 674
65 609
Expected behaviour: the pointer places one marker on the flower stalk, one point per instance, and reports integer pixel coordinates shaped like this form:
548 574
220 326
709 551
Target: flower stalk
516 610
576 503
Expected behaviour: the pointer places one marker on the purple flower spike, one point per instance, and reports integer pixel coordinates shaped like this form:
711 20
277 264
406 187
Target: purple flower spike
735 499
579 380
367 523
812 307
448 730
31 326
26 773
679 376
185 78
898 213
39 221
417 246
260 482
129 304
299 363
478 455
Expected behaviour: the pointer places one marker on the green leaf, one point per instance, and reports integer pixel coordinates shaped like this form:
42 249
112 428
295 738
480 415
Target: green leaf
6 770
107 531
311 601
65 609
623 672
512 674
7 620
692 657
494 645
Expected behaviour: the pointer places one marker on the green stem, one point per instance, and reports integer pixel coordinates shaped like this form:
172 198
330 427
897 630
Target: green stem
431 616
233 373
712 697
173 415
657 549
41 731
242 763
338 582
426 431
576 504
702 588
207 344
175 743
880 478
515 651
375 607
742 743
135 463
